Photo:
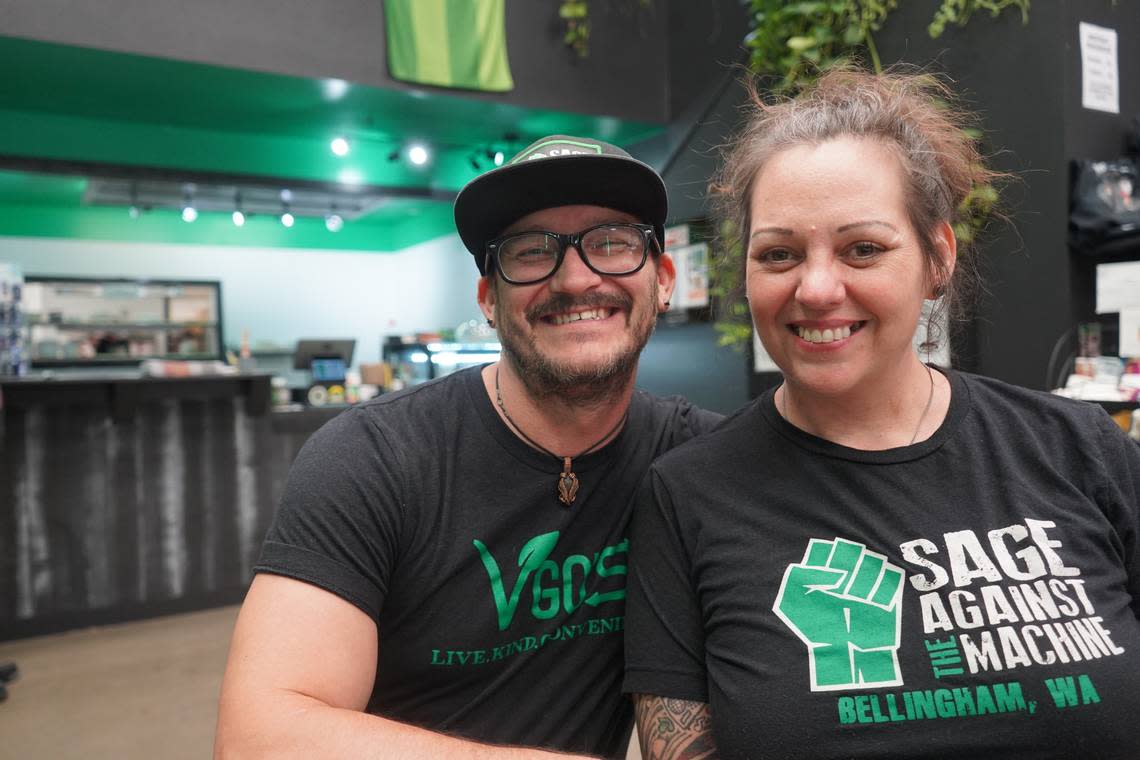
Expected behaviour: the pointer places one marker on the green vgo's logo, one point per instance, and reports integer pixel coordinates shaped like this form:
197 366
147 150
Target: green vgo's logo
845 603
555 587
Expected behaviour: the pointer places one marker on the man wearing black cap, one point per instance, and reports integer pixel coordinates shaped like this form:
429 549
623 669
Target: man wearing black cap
446 572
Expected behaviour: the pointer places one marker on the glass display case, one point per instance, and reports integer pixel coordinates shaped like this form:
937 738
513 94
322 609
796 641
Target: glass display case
85 322
417 362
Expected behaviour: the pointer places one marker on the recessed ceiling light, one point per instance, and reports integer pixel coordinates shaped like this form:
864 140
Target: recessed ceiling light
339 146
334 89
239 218
334 222
351 177
287 219
499 158
189 214
418 155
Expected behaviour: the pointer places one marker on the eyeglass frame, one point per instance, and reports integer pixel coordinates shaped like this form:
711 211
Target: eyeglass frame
649 236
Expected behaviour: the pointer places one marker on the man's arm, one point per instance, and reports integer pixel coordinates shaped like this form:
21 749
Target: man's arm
301 669
674 729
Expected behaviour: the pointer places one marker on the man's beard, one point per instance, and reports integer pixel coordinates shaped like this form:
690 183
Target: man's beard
544 376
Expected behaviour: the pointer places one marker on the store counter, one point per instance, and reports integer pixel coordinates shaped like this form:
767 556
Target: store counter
122 394
123 497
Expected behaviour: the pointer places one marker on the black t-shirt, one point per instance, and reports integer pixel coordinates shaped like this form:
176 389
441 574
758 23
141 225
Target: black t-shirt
499 610
974 595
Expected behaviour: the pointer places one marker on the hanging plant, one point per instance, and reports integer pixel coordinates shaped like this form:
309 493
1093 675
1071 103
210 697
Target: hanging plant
789 44
959 12
576 15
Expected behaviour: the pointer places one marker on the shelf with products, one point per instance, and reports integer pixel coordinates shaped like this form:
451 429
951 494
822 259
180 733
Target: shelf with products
77 322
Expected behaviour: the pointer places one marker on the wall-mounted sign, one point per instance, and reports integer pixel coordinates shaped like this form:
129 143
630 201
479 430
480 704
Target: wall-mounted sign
1100 77
1117 286
692 288
1129 332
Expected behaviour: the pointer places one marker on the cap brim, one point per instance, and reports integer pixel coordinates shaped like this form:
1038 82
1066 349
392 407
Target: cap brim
492 202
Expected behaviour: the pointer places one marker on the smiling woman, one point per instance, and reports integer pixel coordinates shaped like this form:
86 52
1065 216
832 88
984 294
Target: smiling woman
837 277
772 560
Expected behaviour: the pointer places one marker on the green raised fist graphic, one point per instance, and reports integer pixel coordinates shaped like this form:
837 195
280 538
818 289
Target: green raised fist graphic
844 602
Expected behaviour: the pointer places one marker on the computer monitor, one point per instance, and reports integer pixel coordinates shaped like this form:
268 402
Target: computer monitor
326 358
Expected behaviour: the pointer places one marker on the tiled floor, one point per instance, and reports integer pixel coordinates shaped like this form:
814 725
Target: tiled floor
137 691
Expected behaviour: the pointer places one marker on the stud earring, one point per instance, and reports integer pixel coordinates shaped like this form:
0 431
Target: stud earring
491 322
939 290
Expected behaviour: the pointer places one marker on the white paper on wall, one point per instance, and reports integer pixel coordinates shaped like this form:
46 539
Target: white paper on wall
1100 75
1117 286
691 290
1130 332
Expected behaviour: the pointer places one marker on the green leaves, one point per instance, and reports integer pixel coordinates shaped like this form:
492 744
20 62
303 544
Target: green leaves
959 11
573 9
576 15
796 40
800 44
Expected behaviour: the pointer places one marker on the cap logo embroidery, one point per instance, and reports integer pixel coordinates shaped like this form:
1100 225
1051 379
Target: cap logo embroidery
559 148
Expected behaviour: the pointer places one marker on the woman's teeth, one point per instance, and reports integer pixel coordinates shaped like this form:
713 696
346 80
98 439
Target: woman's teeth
565 319
831 334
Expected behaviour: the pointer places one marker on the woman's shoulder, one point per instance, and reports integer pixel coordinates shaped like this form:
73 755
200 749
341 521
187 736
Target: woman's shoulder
999 400
989 391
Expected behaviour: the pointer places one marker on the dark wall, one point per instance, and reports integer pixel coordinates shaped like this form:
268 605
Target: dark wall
1094 134
685 360
706 54
1025 82
705 39
624 75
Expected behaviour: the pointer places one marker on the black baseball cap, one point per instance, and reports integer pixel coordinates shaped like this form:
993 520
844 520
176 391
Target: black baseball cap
558 170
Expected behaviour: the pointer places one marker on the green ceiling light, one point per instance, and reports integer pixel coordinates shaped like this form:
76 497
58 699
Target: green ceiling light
334 89
286 217
339 146
418 154
238 215
189 213
351 177
133 212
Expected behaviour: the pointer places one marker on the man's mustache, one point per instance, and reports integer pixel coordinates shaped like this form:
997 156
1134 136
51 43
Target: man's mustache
560 303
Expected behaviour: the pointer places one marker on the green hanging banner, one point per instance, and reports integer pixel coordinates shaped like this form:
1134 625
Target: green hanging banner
449 43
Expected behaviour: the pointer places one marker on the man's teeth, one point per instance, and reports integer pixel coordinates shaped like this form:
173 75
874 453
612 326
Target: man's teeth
577 316
812 335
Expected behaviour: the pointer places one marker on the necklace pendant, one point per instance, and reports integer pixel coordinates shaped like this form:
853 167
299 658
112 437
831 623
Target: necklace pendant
567 484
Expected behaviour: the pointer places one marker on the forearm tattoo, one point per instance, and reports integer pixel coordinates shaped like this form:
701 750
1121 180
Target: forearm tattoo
674 729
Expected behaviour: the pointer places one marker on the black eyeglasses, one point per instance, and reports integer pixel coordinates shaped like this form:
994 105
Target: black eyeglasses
525 258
